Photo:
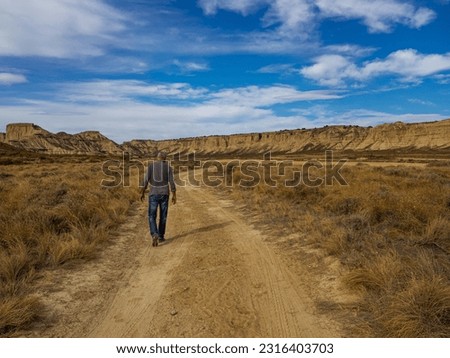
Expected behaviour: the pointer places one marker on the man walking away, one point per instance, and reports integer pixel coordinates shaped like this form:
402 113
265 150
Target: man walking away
160 177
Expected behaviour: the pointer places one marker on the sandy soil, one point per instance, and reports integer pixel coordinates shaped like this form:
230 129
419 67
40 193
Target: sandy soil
216 276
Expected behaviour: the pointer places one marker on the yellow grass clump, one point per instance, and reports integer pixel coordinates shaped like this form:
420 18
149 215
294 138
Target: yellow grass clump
50 214
390 230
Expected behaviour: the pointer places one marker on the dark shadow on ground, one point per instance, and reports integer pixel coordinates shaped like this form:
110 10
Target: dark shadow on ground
200 230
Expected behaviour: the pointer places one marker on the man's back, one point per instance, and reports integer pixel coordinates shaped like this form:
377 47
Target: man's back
160 177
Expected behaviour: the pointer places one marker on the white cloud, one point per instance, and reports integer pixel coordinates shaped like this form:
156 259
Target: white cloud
293 16
330 70
377 15
369 117
140 91
57 28
109 63
421 102
11 78
74 28
349 50
118 90
187 67
268 96
321 116
443 79
210 7
124 109
283 68
408 64
129 120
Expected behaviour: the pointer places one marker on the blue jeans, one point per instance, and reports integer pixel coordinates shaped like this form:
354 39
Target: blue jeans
163 202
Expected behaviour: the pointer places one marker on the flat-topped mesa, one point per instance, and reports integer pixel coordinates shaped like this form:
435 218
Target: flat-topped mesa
33 138
19 131
398 135
393 136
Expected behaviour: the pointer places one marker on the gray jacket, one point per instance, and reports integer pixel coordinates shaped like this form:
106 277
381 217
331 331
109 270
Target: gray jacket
160 177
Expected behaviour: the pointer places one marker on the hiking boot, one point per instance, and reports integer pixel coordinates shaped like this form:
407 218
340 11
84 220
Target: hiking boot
155 240
161 239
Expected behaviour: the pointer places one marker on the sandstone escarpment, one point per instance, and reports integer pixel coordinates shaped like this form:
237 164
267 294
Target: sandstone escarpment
141 147
8 149
394 136
21 131
98 142
434 135
33 138
2 137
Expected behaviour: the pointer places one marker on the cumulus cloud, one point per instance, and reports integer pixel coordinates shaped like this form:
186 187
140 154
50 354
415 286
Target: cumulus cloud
125 121
125 107
330 70
57 28
11 78
408 65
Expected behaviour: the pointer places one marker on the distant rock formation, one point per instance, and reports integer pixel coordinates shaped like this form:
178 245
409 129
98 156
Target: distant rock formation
141 147
394 136
21 131
8 149
33 138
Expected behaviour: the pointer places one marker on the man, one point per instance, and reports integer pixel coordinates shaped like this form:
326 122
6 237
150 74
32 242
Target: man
160 177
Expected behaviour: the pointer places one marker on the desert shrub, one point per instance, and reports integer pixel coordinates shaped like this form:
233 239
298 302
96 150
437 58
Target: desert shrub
17 312
390 229
51 215
437 234
421 310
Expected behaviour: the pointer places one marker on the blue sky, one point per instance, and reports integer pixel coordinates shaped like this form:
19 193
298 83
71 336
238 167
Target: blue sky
177 68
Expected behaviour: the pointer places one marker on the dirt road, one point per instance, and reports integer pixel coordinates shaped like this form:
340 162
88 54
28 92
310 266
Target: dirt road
214 277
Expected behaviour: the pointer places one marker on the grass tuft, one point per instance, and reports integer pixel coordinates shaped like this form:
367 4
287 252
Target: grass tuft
17 312
50 214
390 230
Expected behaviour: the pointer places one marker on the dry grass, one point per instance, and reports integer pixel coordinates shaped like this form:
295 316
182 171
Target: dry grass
389 228
50 214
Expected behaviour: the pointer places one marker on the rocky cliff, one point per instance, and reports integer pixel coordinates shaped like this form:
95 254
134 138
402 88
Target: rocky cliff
394 136
33 138
141 147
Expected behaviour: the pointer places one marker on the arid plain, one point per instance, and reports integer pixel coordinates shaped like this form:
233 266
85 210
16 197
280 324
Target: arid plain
297 244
